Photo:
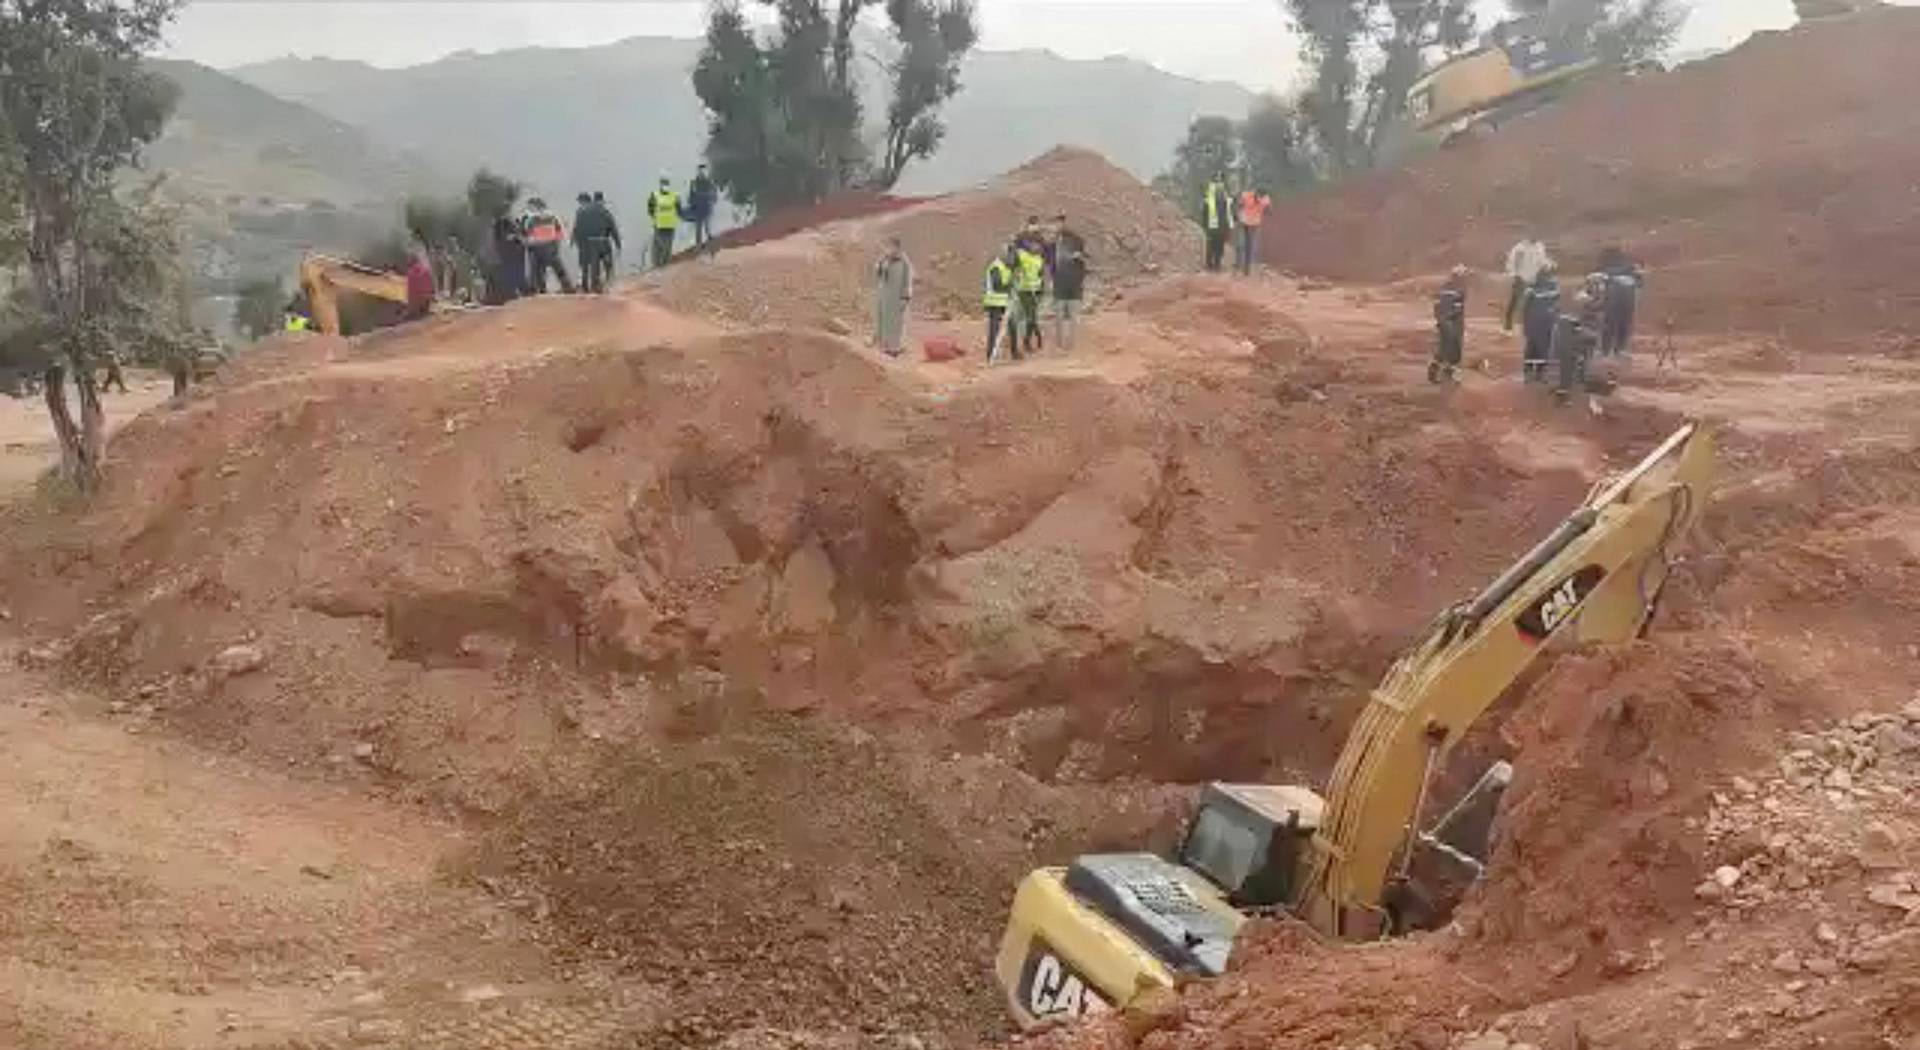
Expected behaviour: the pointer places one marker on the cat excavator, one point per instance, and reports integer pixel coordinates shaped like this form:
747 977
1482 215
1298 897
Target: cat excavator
1095 935
323 277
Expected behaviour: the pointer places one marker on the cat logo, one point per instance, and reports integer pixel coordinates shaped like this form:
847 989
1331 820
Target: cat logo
1049 988
1553 610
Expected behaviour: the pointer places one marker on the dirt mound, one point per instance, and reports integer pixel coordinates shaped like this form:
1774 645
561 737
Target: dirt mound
1761 198
785 222
719 865
824 275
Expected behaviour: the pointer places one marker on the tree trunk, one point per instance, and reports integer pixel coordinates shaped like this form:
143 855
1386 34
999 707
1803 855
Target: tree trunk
82 444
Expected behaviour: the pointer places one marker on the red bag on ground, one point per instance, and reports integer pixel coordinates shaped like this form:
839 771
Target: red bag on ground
941 348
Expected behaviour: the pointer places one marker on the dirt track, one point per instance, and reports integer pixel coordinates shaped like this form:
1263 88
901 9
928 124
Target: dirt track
696 684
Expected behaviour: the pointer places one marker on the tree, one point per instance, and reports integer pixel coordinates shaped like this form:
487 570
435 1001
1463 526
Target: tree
1352 111
1619 32
935 38
259 309
1276 146
76 109
783 111
492 196
1212 147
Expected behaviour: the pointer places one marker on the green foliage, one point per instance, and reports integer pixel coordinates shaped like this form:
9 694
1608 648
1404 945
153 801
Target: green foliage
935 36
76 109
1211 148
492 196
1277 147
783 112
1363 57
1620 32
260 308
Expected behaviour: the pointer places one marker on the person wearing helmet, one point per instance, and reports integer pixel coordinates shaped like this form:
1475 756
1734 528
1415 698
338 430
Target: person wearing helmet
663 207
1450 327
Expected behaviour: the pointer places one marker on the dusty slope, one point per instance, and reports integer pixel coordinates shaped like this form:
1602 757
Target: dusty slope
1767 188
825 274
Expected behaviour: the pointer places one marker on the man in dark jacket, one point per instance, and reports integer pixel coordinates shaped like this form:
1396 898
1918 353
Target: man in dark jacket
1070 264
1575 336
595 236
1624 281
702 195
509 277
1450 327
1542 315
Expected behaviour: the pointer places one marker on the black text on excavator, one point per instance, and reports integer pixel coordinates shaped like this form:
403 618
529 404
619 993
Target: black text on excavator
1096 934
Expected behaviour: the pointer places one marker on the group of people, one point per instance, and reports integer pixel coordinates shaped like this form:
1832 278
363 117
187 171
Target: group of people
1041 264
527 247
1225 215
1600 323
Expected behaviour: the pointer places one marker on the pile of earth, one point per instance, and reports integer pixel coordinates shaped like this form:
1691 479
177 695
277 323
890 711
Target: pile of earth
824 275
630 593
1761 198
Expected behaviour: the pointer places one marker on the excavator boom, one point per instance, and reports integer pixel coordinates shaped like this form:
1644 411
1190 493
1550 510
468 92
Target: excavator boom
1595 579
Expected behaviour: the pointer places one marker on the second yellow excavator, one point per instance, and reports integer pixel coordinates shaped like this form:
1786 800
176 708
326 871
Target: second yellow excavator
1098 933
323 277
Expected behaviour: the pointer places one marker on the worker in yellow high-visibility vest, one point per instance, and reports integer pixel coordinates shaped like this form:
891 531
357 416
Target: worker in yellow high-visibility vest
663 206
1029 281
997 297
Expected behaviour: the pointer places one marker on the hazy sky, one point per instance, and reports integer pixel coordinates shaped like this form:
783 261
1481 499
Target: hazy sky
1244 40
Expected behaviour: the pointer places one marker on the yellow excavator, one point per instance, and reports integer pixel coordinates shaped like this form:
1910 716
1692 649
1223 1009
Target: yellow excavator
1517 67
1094 935
323 277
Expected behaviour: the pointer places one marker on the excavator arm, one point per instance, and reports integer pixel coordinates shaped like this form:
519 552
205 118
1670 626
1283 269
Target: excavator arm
1596 579
324 277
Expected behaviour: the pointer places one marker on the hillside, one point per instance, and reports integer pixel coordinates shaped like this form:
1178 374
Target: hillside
261 179
613 117
1767 189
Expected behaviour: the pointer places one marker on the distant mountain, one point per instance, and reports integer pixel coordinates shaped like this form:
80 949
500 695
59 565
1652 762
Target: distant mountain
614 117
261 179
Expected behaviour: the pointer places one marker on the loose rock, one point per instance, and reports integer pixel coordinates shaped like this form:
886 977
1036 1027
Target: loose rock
237 660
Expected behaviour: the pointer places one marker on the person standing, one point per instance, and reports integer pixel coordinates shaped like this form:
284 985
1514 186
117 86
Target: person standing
1525 260
1029 283
1450 327
1576 336
420 285
1624 279
595 236
542 231
508 281
892 293
1253 211
1069 281
1541 317
702 195
997 297
663 207
1216 221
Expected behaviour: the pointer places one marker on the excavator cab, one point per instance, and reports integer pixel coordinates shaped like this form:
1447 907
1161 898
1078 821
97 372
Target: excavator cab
1247 839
